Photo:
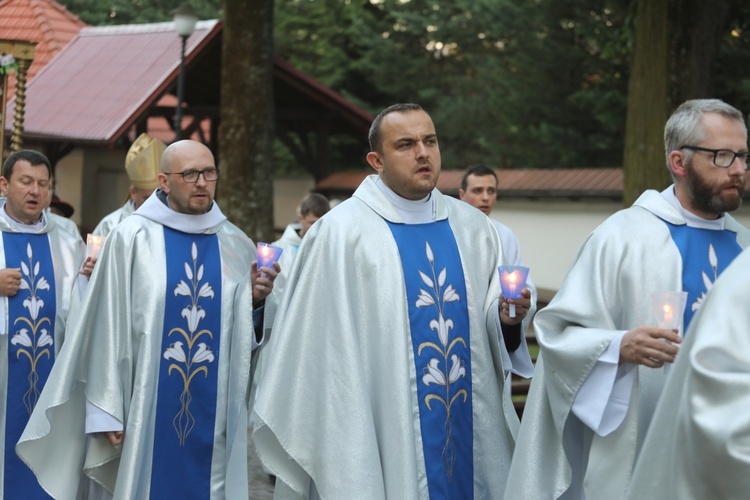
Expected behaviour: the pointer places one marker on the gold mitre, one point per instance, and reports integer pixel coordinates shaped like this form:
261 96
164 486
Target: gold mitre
143 161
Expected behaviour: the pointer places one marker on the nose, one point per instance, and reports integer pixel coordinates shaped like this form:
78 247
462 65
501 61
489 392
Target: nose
421 150
201 179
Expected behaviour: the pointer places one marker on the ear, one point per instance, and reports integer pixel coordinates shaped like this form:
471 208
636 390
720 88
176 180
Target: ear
163 184
677 163
461 194
4 186
375 161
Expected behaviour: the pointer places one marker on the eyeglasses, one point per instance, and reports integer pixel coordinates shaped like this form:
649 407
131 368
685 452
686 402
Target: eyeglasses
191 176
722 157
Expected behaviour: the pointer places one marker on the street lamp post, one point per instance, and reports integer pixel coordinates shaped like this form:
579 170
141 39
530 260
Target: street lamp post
185 18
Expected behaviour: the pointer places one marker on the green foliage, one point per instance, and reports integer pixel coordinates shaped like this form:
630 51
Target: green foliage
99 13
519 83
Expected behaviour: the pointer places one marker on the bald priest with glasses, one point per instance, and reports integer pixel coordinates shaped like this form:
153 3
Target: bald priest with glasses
602 360
158 369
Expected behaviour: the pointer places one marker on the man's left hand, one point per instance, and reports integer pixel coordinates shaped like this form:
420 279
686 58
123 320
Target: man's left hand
522 308
262 280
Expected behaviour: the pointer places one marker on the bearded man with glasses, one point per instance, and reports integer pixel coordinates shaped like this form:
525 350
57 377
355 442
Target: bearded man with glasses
158 371
599 373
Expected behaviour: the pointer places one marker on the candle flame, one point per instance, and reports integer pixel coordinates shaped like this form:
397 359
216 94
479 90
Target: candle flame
667 309
512 278
265 250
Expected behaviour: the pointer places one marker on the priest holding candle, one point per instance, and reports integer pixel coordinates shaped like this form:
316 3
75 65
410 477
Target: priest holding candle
385 373
596 382
159 368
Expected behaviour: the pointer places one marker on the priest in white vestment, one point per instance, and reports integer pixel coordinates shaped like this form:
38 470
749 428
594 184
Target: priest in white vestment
697 445
142 166
602 363
39 267
386 369
159 363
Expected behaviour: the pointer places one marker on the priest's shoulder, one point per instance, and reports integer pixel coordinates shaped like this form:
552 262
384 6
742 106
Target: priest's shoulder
347 212
630 224
228 229
129 227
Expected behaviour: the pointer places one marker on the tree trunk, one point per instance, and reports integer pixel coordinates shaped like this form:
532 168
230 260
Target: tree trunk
696 32
247 117
644 162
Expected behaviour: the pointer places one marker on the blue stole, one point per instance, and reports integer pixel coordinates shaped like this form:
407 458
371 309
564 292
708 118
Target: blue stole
705 254
31 349
439 322
188 372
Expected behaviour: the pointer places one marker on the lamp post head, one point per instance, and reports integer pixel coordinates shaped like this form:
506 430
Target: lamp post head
184 18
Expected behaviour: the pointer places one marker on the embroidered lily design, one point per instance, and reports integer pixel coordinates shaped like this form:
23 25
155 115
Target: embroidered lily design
707 283
437 294
190 358
33 342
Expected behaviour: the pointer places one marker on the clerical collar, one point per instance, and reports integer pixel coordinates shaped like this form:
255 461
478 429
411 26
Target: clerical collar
157 209
691 219
411 211
19 226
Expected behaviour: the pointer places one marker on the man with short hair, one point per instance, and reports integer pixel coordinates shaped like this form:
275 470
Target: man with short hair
40 264
142 165
599 374
386 372
479 189
159 364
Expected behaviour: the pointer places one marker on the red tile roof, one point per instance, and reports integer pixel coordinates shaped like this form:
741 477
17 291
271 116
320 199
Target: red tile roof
575 182
106 78
45 22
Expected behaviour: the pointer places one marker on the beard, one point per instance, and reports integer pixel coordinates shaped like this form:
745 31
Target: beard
710 197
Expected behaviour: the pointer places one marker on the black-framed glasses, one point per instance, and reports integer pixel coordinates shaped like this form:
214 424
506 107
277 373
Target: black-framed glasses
722 157
191 176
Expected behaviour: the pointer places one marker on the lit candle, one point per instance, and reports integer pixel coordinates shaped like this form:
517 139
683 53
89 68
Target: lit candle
512 281
93 244
668 308
668 315
267 255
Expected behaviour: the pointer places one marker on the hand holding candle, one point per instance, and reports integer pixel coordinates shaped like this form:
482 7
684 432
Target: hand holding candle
93 245
267 255
512 283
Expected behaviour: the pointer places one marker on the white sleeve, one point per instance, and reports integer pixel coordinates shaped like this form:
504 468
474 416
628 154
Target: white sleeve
602 401
98 420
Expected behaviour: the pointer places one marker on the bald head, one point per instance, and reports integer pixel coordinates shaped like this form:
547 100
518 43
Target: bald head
188 177
178 151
